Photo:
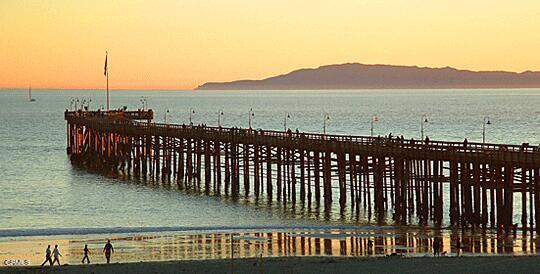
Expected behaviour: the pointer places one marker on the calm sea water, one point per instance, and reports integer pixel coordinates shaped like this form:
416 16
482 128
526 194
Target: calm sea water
40 191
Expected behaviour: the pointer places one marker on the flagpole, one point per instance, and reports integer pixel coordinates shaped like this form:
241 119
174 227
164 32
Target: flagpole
107 73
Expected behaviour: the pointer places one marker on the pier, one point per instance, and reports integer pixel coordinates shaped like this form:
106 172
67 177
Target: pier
472 185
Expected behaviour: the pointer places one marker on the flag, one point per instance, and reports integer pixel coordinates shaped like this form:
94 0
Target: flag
105 72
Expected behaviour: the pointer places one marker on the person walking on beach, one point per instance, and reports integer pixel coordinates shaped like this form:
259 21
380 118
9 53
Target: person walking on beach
86 252
56 254
108 249
436 247
47 256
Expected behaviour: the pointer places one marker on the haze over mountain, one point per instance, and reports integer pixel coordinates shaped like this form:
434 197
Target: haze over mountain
362 76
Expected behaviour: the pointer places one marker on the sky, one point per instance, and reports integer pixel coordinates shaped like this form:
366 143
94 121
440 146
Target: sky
179 44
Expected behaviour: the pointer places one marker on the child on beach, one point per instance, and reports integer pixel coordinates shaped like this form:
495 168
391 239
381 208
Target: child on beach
47 256
56 254
108 249
86 252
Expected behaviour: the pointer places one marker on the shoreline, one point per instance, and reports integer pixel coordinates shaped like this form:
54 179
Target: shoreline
465 264
270 243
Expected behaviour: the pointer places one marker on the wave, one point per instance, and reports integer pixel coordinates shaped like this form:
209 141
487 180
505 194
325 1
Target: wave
200 229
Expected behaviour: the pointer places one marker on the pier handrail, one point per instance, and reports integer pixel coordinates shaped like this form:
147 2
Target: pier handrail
124 114
131 117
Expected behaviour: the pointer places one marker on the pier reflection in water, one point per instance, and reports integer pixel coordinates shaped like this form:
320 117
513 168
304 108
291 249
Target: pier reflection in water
302 243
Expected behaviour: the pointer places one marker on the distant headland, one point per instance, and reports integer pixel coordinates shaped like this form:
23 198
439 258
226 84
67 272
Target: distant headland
362 76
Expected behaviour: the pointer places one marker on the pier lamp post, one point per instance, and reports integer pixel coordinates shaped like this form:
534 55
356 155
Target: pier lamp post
326 118
82 104
166 112
374 119
88 103
220 113
76 103
251 115
72 101
191 111
422 122
144 102
486 122
287 115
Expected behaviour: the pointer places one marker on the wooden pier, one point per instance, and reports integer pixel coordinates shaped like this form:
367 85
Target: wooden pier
472 185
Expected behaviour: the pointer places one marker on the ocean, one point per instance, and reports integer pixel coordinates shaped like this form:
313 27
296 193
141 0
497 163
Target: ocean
41 193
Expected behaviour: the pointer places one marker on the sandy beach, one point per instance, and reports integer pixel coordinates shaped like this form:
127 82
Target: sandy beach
492 264
278 243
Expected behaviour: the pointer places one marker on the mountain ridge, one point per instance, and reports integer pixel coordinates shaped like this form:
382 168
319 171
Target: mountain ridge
380 76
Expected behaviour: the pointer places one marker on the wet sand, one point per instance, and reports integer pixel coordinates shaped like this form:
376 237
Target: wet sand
283 251
491 264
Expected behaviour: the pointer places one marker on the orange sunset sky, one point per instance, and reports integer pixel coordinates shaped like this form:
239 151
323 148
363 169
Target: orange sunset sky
180 44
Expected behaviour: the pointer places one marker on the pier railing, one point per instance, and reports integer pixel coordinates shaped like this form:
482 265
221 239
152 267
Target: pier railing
115 114
524 154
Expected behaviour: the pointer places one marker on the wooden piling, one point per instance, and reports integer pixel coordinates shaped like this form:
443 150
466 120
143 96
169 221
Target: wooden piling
403 177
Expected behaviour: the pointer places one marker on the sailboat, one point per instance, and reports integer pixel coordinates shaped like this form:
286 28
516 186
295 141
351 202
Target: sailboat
30 99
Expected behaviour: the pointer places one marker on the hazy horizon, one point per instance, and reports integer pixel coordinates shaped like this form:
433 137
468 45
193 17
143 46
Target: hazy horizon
285 73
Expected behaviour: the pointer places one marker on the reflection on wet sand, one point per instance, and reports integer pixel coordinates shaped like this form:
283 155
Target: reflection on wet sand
251 244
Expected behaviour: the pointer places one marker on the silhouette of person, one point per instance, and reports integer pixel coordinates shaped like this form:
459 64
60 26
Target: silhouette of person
108 249
56 254
458 247
86 252
370 246
47 256
436 247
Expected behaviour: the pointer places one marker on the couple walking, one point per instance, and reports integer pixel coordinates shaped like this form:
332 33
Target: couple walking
108 250
56 254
